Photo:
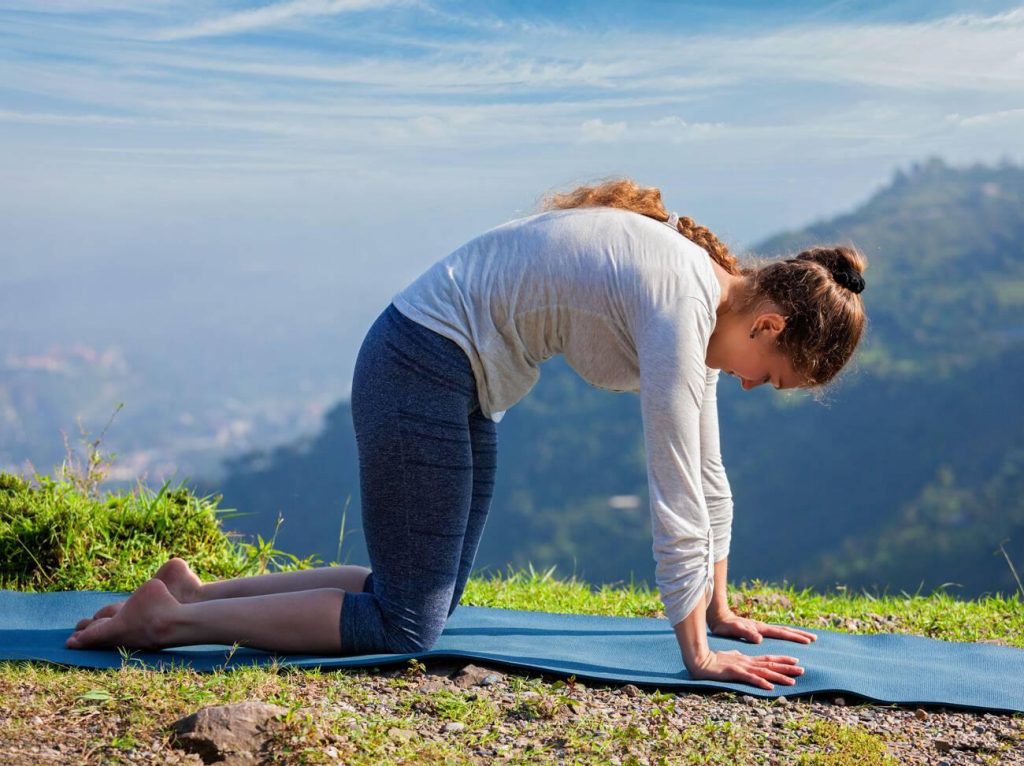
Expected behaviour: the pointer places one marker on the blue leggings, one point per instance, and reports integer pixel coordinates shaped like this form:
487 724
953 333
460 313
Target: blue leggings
427 458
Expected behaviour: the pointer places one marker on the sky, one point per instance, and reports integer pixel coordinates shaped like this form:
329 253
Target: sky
313 114
357 142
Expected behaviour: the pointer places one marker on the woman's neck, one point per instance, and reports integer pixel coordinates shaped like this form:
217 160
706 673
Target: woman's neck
734 290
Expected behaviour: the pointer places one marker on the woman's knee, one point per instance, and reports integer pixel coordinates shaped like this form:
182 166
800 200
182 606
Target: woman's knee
369 627
412 640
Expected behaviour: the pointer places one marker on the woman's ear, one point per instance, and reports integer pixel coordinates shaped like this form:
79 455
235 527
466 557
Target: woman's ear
770 322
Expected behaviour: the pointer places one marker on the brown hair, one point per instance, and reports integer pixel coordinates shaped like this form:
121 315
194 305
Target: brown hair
825 318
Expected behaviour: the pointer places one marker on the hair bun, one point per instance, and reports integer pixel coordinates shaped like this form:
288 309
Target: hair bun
849 278
845 264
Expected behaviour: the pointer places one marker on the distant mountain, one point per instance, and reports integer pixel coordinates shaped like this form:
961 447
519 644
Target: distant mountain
907 477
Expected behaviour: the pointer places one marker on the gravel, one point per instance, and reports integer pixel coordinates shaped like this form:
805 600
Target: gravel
912 734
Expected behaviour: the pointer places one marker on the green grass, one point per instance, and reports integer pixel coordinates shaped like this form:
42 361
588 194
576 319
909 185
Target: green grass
60 534
55 537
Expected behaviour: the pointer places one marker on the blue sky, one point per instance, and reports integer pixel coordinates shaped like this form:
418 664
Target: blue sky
360 141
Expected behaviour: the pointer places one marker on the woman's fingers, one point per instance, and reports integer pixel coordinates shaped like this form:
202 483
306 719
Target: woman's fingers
756 680
776 658
777 671
760 671
789 634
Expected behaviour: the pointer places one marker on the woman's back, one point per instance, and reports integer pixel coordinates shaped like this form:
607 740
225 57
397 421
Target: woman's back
582 282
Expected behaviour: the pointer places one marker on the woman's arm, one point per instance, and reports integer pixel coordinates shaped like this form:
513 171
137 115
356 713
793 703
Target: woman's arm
719 606
717 493
673 376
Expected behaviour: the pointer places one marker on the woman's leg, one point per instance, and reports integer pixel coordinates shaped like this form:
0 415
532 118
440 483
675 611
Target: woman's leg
412 396
187 588
344 577
303 622
484 435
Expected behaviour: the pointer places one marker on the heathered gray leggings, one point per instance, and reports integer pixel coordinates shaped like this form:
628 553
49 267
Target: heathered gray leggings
427 458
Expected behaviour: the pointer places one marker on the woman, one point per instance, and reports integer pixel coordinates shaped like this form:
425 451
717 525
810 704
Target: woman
636 300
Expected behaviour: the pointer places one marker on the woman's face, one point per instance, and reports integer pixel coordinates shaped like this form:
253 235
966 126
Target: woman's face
755 367
754 361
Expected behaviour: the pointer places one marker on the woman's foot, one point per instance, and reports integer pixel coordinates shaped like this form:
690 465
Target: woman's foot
181 582
144 621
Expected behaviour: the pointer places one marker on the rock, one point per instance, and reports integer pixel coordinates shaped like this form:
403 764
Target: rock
840 702
232 735
782 700
922 714
943 745
631 691
454 727
431 685
472 675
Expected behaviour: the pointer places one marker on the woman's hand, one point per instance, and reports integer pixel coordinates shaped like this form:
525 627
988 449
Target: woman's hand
757 671
732 625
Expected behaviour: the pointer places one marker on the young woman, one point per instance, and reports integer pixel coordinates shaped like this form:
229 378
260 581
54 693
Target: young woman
636 300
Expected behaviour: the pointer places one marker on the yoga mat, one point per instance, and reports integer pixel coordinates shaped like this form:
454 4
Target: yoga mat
888 668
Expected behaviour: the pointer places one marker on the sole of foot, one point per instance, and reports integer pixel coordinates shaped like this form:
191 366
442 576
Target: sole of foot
142 622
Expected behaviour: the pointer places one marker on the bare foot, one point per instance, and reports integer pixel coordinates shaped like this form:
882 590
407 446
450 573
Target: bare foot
175 573
144 621
180 580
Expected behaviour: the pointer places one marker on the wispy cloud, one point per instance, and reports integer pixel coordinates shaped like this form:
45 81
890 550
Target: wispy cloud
271 16
369 81
599 130
1006 115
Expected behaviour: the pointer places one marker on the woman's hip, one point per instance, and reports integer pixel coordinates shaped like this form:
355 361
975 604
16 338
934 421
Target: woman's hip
403 366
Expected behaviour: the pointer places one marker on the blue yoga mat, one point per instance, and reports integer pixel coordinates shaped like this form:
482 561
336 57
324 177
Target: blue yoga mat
888 668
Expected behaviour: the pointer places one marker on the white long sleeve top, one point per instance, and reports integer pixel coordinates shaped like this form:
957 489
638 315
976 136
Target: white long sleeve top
631 304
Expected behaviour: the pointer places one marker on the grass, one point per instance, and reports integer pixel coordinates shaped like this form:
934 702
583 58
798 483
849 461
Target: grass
60 533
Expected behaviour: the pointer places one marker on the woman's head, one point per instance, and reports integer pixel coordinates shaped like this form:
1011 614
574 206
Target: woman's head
793 322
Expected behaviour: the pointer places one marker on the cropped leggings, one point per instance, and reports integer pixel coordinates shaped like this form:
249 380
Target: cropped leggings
427 458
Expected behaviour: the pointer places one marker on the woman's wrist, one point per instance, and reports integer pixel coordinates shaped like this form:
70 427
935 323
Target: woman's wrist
691 634
717 612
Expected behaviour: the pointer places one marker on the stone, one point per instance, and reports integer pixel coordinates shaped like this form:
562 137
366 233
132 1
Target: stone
922 714
473 675
232 735
454 727
430 685
631 691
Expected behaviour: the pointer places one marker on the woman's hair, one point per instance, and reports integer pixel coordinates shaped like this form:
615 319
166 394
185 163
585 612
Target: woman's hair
825 318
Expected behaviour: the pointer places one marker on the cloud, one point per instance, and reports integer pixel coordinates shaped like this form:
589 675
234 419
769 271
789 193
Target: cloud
270 16
421 77
599 130
45 118
1006 115
677 130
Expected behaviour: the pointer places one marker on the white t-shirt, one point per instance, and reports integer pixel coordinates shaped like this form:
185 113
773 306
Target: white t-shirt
631 304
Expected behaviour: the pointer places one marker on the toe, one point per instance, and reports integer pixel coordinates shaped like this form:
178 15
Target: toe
96 634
